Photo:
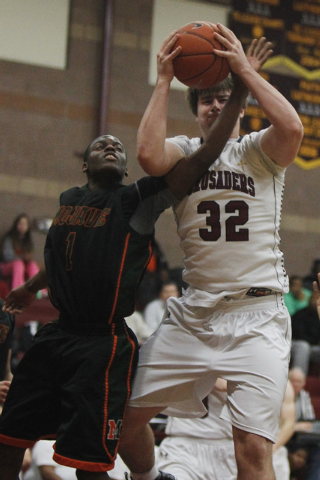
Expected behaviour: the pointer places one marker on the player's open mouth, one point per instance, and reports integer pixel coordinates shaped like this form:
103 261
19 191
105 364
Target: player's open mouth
110 156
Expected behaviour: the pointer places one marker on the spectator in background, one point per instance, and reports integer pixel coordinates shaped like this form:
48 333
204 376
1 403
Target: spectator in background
157 272
6 335
17 252
139 327
22 341
43 467
154 310
305 416
298 458
306 336
313 275
297 297
316 292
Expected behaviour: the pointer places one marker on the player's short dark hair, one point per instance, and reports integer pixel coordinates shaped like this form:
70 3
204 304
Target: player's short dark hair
193 94
86 153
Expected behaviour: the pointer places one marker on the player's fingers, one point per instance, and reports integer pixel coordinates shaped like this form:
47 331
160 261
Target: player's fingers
225 32
264 48
168 49
169 42
251 47
224 41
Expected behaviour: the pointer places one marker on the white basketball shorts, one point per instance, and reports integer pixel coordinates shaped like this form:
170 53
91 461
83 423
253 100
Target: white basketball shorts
246 342
191 459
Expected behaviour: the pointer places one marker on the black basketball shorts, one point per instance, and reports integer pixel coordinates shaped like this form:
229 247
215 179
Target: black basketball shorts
74 388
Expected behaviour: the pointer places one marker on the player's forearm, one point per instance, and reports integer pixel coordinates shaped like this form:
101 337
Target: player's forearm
191 168
153 130
284 435
279 111
37 282
222 128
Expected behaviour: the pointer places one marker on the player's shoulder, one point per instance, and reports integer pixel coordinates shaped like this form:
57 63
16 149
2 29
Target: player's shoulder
69 196
187 145
147 185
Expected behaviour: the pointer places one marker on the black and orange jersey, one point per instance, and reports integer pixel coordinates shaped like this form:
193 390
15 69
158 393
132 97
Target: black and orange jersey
98 247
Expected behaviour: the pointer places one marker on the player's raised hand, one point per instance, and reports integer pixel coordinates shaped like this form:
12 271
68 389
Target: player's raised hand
258 52
317 294
233 52
166 56
18 299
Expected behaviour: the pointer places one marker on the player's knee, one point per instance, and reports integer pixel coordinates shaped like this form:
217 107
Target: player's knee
253 453
11 455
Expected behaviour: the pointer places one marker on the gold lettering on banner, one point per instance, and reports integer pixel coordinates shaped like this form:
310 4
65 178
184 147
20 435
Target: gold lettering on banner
299 95
305 7
309 61
253 111
245 18
274 3
309 86
300 38
309 152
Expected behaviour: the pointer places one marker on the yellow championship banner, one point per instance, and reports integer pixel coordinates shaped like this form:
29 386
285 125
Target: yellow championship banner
293 27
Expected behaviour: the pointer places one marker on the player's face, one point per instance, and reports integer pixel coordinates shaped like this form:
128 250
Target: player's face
210 107
107 155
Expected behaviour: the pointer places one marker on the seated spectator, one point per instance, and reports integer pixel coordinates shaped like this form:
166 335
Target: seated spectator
22 341
304 420
298 458
155 309
306 336
43 467
17 251
297 297
7 325
155 275
313 275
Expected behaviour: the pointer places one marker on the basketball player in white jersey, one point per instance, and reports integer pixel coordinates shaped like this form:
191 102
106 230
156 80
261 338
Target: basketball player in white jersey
203 449
232 321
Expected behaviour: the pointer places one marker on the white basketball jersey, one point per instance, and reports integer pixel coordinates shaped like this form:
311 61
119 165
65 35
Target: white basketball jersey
210 427
229 223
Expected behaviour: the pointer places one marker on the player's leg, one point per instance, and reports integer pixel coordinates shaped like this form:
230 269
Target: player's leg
11 459
137 439
83 475
253 456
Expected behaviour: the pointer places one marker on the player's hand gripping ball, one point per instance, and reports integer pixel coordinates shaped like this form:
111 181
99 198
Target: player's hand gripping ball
197 65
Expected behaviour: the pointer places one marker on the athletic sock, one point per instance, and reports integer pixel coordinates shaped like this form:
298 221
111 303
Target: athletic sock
150 475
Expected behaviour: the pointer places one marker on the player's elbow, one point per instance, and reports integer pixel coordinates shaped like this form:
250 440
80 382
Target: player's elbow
153 163
296 130
149 166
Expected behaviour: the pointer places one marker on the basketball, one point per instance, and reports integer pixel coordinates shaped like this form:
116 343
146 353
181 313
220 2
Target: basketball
197 65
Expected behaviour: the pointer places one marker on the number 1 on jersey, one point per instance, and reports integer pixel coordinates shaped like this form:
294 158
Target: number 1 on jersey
69 250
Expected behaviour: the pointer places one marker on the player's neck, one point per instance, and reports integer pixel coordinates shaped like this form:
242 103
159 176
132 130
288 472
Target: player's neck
103 184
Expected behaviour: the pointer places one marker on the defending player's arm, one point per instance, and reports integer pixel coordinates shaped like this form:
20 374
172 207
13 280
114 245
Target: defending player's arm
282 139
191 168
22 297
287 418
